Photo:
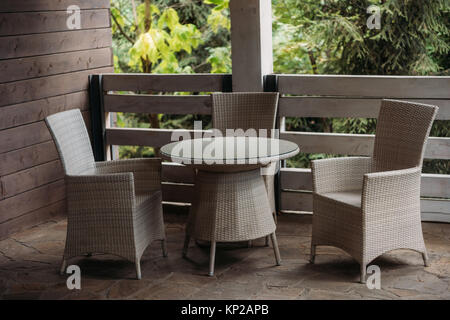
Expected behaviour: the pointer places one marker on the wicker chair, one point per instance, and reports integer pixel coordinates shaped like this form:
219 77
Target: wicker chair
369 206
248 111
113 207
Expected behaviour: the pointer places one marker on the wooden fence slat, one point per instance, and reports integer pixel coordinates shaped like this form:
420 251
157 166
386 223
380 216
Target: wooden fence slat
173 192
346 107
33 111
157 104
41 66
45 5
175 172
400 87
296 179
200 82
31 200
57 42
356 144
31 178
39 88
141 137
435 185
296 201
28 157
21 23
431 209
432 185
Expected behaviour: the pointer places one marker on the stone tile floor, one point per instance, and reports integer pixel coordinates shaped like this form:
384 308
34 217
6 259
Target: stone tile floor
29 263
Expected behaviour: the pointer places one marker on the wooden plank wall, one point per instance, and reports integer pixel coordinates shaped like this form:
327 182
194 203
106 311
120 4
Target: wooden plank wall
44 68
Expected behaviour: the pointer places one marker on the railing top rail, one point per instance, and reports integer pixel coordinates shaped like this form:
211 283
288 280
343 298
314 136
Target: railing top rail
399 87
197 82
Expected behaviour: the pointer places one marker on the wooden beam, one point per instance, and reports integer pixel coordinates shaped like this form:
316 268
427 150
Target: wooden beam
175 192
399 87
23 136
33 111
52 211
28 157
50 21
56 42
46 5
140 103
432 185
163 82
28 135
31 178
435 185
178 173
141 137
296 201
251 43
356 144
32 200
47 65
347 107
40 88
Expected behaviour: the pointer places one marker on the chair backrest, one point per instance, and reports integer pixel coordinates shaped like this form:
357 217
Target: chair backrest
401 134
244 110
72 141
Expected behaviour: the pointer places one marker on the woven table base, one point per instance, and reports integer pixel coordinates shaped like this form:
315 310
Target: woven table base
230 207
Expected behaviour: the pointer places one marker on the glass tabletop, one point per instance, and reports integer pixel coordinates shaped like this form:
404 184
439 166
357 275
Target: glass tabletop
229 150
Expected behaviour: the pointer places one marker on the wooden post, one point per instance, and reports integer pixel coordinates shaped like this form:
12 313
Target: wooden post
251 43
97 119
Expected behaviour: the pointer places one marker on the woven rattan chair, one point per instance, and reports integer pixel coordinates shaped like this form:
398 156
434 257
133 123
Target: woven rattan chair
113 207
369 206
248 110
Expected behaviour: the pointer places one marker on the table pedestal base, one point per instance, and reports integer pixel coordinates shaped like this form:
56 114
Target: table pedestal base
230 207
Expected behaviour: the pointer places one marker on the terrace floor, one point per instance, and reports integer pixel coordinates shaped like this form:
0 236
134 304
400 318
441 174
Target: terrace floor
29 263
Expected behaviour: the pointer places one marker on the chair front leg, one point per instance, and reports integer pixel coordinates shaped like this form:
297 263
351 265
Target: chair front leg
275 249
212 258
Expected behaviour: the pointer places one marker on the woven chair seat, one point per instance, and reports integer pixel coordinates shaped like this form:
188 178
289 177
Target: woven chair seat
352 197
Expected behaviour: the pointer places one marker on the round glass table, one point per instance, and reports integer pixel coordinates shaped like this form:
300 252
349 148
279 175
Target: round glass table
230 201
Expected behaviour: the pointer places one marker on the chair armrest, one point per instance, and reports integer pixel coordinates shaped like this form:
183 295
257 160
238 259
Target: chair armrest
389 192
339 174
147 172
103 190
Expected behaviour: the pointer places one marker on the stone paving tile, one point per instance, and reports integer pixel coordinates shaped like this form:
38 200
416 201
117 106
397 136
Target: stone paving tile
29 265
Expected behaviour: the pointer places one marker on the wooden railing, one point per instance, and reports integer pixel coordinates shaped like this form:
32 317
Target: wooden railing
177 179
358 97
301 96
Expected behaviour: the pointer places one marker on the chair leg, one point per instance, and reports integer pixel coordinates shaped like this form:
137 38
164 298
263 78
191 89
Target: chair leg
212 258
426 262
186 245
312 257
363 273
63 266
275 249
267 241
249 244
138 269
164 247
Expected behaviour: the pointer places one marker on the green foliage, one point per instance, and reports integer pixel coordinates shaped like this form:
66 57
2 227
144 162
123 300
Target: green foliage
331 37
309 37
